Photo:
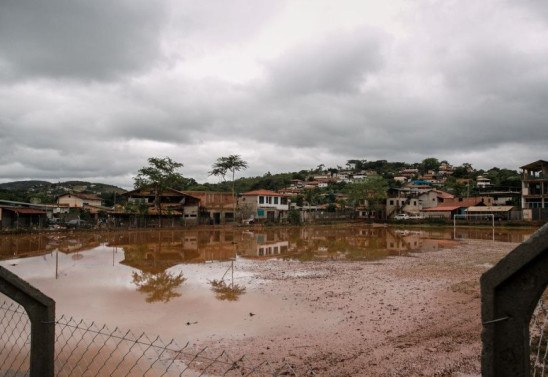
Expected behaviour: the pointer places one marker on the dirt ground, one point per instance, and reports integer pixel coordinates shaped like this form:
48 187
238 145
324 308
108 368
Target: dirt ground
414 315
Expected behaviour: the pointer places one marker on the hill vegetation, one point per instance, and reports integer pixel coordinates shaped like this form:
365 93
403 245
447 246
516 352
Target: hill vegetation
459 180
46 192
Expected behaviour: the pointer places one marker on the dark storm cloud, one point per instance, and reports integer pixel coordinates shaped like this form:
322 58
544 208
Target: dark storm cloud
89 40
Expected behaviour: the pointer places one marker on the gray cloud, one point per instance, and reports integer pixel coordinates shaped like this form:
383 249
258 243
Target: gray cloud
84 40
434 82
335 63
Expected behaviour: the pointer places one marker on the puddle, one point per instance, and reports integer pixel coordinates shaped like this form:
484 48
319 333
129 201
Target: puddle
196 284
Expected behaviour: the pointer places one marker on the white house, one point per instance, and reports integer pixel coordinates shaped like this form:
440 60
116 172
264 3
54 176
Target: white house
482 182
264 204
79 200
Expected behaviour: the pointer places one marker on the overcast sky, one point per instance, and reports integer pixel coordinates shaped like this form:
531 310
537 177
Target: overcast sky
90 89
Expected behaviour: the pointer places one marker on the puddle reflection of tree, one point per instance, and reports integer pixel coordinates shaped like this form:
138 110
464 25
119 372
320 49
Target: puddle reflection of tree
227 291
158 286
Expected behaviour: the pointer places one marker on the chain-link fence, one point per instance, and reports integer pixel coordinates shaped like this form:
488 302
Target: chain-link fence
538 331
14 340
88 349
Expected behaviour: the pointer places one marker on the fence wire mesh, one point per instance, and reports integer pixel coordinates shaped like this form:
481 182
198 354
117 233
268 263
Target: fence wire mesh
538 331
88 349
14 340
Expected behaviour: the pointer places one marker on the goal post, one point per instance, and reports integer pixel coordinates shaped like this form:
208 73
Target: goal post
468 216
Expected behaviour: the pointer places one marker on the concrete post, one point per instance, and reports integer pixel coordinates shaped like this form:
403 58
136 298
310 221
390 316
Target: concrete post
510 292
41 312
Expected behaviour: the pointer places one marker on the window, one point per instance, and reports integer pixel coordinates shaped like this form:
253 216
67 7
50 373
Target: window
391 202
276 200
261 199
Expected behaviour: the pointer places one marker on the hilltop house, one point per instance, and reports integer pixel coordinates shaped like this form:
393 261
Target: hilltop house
483 182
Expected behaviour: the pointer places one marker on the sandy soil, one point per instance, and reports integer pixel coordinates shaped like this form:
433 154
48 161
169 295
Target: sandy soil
416 315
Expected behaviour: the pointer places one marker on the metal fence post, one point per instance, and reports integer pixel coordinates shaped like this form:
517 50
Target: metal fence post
509 294
41 311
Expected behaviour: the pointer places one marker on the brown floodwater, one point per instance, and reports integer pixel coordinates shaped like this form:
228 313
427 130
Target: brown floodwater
197 284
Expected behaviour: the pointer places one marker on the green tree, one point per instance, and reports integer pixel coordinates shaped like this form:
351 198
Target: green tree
223 165
457 189
159 175
504 177
373 190
430 163
294 216
299 200
461 172
312 196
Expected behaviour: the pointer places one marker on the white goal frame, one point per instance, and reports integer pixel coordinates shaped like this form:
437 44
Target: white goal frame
466 216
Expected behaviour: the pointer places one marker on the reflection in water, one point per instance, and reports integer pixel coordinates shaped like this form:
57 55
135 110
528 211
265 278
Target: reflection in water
336 243
158 286
155 251
224 291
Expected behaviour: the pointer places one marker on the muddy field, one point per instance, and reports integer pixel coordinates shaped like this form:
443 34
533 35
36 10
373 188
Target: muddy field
414 315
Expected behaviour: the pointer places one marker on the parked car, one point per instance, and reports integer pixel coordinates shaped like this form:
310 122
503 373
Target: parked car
416 217
401 216
77 223
249 221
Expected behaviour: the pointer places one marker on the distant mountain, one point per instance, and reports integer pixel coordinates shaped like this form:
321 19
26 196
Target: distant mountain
23 185
68 186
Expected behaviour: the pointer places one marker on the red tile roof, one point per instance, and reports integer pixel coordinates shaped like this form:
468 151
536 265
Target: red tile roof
25 211
261 192
83 196
444 208
443 194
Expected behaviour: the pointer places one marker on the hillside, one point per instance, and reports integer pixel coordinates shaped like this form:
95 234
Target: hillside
40 186
47 192
23 185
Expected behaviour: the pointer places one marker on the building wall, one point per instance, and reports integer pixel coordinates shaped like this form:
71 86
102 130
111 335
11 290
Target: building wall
74 201
412 203
264 207
429 200
534 183
438 214
190 214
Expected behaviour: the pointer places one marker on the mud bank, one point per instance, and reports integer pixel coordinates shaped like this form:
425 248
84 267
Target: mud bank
414 315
